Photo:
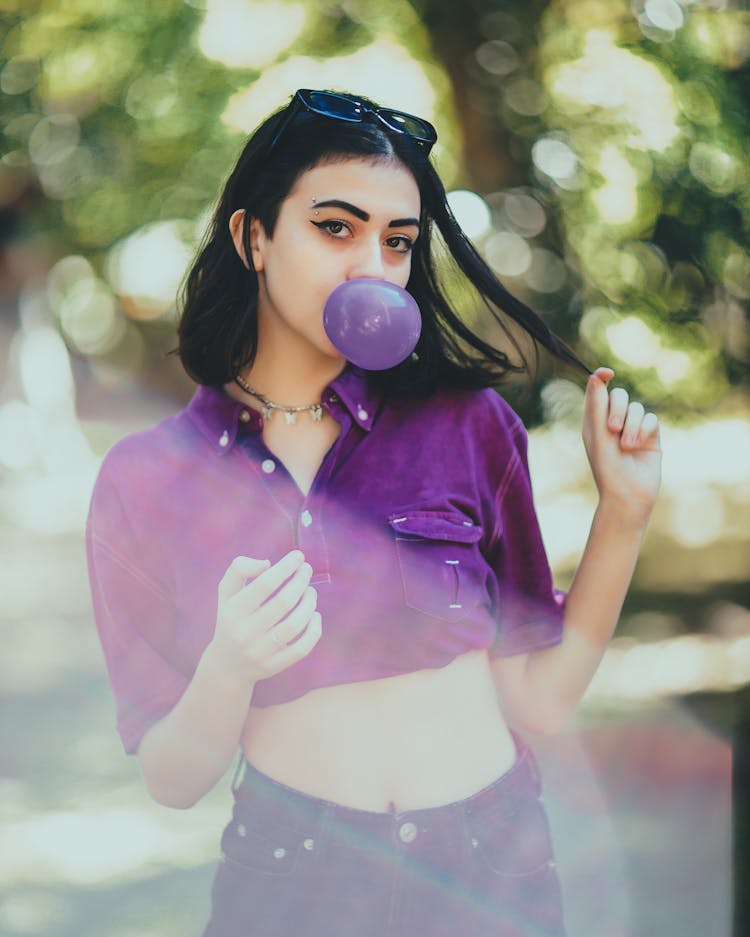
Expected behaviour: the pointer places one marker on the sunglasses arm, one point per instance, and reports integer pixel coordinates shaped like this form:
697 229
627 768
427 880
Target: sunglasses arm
291 112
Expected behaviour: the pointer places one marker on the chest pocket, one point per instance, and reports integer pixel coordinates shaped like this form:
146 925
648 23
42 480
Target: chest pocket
441 566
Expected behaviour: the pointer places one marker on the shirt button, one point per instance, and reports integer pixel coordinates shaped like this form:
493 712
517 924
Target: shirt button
362 413
279 853
224 439
306 518
309 844
241 829
407 832
245 416
268 466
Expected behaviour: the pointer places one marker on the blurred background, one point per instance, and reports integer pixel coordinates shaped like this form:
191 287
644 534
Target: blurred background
597 153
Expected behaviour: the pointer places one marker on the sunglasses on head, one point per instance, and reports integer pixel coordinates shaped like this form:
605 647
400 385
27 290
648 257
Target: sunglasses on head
349 110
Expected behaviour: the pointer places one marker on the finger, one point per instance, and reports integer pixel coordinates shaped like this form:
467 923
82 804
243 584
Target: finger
595 405
632 425
275 637
289 628
238 572
281 604
267 583
300 648
604 374
618 409
648 436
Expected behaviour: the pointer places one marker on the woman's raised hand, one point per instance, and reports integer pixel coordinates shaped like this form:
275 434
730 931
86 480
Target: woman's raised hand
266 618
622 445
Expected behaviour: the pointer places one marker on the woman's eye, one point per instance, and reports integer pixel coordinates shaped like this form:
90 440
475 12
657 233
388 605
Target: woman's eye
400 243
337 229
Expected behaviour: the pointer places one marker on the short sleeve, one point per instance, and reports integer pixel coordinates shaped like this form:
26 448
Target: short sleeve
529 610
134 615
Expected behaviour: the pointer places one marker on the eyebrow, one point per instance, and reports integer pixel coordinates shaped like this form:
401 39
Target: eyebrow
363 215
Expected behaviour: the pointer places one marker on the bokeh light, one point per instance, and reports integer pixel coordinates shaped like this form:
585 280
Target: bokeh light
471 211
609 76
383 70
508 254
556 159
497 57
247 33
148 267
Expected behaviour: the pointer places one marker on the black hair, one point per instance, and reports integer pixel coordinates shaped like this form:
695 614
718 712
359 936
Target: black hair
218 325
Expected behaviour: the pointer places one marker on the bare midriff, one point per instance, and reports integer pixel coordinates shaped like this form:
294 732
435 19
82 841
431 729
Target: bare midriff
417 740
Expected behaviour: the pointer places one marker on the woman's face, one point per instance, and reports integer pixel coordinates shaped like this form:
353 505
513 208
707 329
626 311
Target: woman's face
343 220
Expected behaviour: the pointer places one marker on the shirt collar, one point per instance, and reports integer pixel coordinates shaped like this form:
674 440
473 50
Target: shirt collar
218 416
357 394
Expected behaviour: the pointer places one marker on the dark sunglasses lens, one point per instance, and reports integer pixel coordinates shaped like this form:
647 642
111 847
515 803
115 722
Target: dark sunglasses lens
406 123
333 105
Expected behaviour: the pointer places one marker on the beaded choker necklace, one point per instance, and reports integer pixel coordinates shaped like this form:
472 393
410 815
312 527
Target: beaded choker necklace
315 410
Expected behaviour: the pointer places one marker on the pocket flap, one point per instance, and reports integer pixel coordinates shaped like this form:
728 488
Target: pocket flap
436 525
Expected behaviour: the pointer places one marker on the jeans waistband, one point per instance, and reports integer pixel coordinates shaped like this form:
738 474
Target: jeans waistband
263 793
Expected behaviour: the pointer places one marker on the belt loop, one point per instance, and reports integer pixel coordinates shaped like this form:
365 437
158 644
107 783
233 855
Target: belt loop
239 772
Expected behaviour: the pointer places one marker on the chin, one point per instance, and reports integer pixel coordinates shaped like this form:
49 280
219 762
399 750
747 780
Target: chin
335 355
326 347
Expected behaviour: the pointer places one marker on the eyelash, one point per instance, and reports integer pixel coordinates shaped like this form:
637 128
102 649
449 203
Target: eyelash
401 239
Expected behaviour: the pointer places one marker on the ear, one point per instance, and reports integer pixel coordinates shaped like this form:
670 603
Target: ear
236 225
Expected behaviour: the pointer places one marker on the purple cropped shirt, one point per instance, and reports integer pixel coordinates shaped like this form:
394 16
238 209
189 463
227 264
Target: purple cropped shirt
420 529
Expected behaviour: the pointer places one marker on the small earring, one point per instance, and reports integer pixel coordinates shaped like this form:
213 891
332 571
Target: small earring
414 356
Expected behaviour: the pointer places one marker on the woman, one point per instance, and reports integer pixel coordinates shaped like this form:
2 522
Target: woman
385 608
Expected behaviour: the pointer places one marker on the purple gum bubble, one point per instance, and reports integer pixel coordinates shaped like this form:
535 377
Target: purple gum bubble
373 323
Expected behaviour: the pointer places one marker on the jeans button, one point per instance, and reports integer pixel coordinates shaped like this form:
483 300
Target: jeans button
407 832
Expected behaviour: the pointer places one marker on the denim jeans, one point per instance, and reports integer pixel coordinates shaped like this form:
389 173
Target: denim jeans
298 866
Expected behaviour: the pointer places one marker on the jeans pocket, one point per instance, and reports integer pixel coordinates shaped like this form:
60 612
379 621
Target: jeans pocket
259 850
513 843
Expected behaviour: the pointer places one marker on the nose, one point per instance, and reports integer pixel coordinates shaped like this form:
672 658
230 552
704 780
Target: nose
368 261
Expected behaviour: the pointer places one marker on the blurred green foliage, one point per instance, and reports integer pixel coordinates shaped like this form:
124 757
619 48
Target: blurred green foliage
609 140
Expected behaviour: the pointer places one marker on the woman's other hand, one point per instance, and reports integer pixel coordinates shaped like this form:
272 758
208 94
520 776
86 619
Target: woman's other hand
266 620
266 617
622 445
541 692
